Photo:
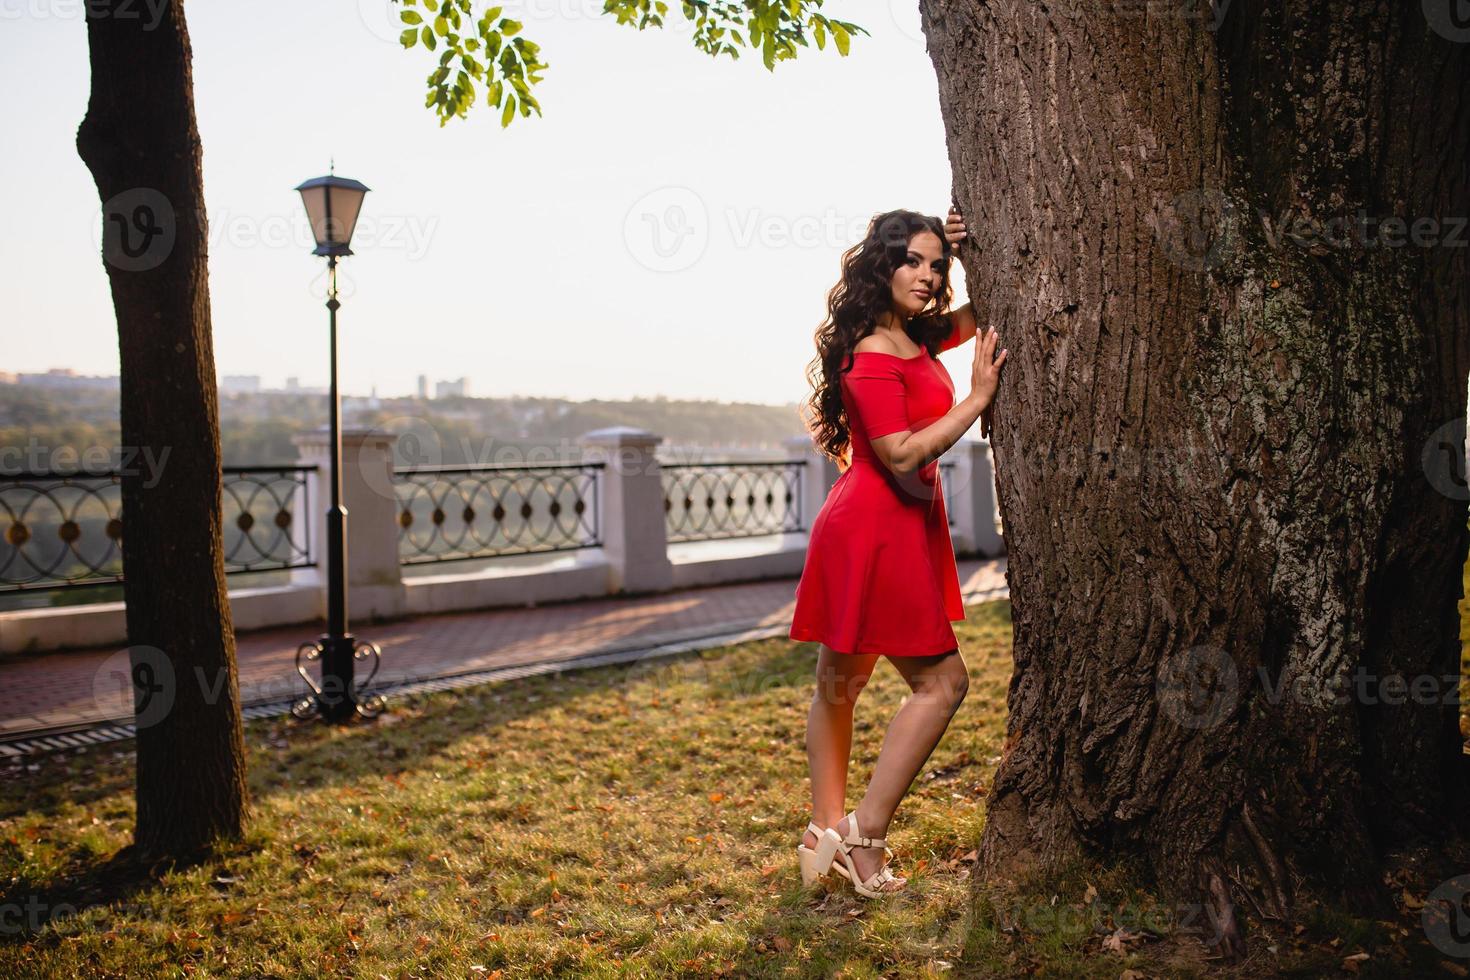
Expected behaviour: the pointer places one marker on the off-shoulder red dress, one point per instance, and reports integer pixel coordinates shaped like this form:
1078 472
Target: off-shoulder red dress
879 574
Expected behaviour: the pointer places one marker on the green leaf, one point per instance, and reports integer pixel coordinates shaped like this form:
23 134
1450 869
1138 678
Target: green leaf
427 35
821 33
493 13
408 37
843 39
411 17
431 5
441 25
510 111
509 27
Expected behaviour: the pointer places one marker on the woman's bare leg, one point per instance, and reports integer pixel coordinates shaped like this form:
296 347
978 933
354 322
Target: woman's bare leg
840 678
938 685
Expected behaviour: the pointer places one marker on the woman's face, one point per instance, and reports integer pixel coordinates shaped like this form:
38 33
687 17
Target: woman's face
916 280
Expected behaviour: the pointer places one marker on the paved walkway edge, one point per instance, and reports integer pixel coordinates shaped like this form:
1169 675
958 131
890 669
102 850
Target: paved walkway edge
61 738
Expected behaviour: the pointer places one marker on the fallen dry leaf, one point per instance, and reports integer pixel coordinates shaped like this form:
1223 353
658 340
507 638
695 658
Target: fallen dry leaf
1117 942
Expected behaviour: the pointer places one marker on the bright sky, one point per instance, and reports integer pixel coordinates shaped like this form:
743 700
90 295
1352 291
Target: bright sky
671 224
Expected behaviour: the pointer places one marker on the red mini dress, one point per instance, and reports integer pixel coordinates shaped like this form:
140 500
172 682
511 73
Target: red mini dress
879 574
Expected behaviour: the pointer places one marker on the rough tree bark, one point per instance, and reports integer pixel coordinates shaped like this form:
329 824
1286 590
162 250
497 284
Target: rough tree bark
141 143
1225 440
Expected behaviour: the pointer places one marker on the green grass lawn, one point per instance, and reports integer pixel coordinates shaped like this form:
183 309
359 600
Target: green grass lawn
622 821
611 822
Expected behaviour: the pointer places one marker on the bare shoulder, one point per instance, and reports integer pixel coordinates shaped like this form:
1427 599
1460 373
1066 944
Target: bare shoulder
875 344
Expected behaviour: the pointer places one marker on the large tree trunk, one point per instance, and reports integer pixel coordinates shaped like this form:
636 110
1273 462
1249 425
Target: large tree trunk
1230 456
141 143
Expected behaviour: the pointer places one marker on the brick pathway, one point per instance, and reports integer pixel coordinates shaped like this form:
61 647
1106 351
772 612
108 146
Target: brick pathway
51 690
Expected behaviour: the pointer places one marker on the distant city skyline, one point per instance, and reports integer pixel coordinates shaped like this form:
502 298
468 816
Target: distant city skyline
672 234
232 384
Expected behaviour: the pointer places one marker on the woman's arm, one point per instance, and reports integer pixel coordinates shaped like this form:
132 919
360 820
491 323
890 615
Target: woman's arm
962 319
965 327
965 320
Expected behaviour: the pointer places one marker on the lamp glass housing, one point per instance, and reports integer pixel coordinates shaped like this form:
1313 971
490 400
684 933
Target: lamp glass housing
332 206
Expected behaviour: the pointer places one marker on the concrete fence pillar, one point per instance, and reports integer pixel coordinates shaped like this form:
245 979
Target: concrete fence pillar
816 478
970 489
374 575
630 500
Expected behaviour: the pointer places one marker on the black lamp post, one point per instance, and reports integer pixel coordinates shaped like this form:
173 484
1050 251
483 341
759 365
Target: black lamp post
332 205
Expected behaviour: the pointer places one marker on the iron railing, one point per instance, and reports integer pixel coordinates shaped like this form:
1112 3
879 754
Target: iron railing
456 513
64 530
708 501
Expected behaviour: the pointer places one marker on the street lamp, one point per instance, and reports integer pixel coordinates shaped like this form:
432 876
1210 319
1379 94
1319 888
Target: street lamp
332 205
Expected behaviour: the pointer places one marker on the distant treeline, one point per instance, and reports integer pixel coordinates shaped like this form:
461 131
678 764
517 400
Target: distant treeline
47 428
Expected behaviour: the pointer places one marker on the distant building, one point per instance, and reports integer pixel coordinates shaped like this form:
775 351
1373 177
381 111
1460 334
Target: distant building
240 383
66 378
423 387
451 389
294 387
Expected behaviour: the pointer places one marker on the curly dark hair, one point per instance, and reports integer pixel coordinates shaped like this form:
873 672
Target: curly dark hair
854 307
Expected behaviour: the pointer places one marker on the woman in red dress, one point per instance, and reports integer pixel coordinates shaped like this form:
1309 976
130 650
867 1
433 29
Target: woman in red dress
879 577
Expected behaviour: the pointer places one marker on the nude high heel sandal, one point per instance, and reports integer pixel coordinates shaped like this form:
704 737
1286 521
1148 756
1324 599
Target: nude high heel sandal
815 862
872 886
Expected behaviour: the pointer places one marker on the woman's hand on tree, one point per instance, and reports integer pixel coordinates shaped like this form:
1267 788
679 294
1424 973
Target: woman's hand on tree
954 225
985 371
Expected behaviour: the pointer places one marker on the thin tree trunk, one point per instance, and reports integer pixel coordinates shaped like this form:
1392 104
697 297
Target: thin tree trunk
141 143
1228 513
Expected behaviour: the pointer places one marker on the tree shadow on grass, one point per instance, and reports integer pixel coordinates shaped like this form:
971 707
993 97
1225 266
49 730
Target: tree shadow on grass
27 907
288 755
